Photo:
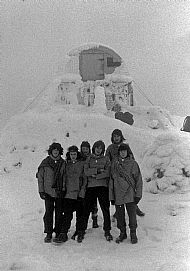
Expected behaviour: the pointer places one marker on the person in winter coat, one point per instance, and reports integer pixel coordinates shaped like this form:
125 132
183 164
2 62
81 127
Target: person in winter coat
125 191
85 151
75 192
51 174
97 170
117 139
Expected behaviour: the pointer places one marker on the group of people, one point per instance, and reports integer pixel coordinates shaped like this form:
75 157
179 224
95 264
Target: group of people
76 183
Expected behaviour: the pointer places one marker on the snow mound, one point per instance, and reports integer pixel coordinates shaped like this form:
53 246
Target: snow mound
166 164
153 117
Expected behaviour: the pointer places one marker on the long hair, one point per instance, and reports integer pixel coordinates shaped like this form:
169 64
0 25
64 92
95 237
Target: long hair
124 146
97 144
119 133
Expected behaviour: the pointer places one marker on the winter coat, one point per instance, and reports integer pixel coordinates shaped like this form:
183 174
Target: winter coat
112 151
75 180
126 181
97 170
46 175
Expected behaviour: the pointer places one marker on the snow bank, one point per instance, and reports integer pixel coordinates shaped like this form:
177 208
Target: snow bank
166 163
153 117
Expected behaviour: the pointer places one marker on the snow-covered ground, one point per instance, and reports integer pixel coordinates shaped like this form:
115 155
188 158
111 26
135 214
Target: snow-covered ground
163 233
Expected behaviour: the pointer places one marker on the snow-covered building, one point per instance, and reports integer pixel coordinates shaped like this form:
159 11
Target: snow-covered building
99 65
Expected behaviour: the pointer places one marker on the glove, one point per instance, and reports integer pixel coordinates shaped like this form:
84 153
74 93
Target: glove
112 202
137 199
42 195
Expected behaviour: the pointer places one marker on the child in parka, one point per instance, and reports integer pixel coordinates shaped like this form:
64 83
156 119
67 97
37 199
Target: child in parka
125 191
51 174
97 170
85 151
75 191
117 139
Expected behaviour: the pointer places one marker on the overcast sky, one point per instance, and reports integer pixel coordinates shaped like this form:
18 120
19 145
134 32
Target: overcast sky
153 38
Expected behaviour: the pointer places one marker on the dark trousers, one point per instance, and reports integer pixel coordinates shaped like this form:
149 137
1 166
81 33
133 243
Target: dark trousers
102 194
53 205
120 215
70 206
94 210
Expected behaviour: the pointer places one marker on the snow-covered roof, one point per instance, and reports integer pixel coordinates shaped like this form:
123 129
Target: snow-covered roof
76 51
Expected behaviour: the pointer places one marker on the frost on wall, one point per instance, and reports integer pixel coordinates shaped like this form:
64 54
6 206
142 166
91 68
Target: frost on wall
62 90
166 164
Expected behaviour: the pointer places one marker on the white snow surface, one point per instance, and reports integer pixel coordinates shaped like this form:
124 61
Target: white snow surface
163 233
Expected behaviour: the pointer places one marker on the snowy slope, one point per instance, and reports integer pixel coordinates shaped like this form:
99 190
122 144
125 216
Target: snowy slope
163 233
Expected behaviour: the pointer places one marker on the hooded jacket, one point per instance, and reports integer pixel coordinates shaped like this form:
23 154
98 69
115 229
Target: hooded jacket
126 181
51 176
97 170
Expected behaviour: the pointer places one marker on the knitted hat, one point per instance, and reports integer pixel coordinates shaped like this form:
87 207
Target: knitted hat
73 149
85 144
56 146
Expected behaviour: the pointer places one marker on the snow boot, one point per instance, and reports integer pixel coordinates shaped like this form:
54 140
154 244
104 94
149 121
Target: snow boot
80 236
74 235
48 238
95 222
61 238
139 212
121 237
56 236
108 236
133 235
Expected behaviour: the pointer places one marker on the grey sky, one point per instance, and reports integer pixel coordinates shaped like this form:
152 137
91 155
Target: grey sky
153 37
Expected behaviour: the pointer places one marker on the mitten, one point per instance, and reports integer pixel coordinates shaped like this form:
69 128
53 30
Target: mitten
112 202
137 199
42 195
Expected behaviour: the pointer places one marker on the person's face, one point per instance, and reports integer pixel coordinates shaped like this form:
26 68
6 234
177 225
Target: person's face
123 154
117 138
98 150
85 150
55 153
73 156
